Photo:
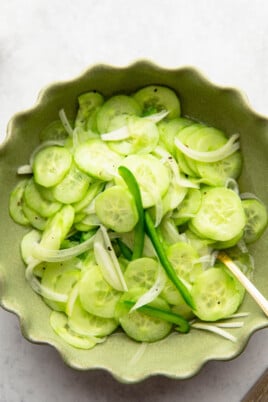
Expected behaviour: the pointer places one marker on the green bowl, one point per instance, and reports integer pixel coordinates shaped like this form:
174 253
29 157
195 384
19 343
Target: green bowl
178 356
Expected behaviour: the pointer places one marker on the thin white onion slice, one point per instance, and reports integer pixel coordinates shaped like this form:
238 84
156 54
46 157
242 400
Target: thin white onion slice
65 122
231 146
119 134
122 133
216 330
44 254
157 117
39 288
171 162
25 169
106 265
109 246
153 292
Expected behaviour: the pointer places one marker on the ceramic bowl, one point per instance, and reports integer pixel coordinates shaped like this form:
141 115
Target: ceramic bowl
178 356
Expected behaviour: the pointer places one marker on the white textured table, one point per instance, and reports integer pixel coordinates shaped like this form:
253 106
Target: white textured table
43 41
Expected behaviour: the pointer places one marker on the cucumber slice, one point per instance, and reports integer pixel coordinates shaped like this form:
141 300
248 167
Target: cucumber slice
221 215
152 176
182 160
116 209
96 295
60 278
155 98
143 138
97 159
16 202
35 201
217 173
89 104
139 326
222 245
256 219
117 105
36 220
168 129
183 310
141 273
50 165
85 323
73 187
215 295
27 243
93 190
59 324
54 131
188 208
185 260
57 228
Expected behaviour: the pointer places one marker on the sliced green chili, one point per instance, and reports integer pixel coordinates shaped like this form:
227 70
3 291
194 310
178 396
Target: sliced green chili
125 250
134 189
165 262
182 324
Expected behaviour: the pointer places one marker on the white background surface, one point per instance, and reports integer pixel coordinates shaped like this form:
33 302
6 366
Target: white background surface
42 41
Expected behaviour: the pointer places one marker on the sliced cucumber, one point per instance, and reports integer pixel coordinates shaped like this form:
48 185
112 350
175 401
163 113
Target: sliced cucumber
139 326
51 165
215 295
256 219
97 159
217 173
73 187
152 176
117 105
143 137
54 131
35 201
57 228
16 202
96 295
168 129
59 323
141 273
116 209
155 98
221 215
60 278
89 104
188 208
36 220
185 260
85 323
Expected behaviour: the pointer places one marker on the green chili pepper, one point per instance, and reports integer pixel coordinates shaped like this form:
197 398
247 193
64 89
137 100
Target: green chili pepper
134 189
182 324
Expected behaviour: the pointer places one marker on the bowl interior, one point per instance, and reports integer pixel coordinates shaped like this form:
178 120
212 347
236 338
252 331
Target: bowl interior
177 356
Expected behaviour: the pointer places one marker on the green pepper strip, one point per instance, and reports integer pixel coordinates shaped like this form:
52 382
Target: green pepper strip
182 324
134 189
165 262
125 250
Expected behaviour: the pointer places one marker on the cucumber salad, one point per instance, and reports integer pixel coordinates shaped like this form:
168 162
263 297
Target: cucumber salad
128 207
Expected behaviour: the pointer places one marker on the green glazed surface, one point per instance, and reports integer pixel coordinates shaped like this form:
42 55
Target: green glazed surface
179 355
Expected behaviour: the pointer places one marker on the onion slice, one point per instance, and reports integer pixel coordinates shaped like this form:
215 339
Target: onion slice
39 288
122 133
25 169
49 255
108 245
231 146
65 122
